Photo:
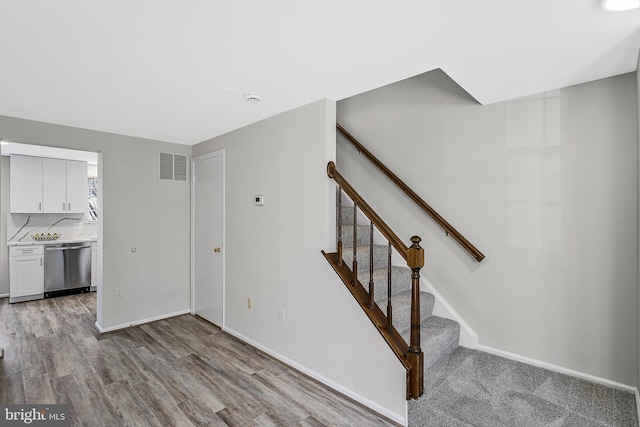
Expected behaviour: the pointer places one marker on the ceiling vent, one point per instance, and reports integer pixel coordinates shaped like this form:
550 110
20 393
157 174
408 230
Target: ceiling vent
172 167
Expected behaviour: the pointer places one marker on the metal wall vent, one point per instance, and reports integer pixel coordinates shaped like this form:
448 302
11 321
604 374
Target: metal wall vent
172 167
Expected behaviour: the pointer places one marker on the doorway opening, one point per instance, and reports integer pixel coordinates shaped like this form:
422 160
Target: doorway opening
53 227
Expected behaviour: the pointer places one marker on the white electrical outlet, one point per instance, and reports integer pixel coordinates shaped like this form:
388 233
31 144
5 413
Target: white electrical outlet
119 293
77 226
281 314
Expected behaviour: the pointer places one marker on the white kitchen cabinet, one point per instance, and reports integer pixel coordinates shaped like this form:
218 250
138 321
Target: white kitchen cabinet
54 185
64 186
77 187
26 273
25 187
44 185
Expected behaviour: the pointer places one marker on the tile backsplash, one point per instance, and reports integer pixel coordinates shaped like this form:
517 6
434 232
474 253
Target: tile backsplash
20 227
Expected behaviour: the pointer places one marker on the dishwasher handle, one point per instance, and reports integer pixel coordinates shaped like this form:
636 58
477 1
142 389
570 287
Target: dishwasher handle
68 248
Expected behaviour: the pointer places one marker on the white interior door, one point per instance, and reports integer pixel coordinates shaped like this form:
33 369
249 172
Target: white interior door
207 205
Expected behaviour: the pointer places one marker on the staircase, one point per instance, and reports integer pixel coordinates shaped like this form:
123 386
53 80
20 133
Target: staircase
439 336
389 292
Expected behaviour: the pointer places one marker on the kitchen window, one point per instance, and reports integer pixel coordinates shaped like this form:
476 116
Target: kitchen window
93 199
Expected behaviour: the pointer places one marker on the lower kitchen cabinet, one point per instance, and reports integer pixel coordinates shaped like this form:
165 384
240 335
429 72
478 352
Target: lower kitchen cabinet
26 273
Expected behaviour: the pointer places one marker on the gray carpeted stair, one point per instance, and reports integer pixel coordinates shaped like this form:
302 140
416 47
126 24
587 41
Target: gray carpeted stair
439 336
347 215
401 304
400 281
380 256
362 236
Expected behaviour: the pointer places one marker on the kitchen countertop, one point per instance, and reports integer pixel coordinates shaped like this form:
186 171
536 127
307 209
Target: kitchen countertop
52 242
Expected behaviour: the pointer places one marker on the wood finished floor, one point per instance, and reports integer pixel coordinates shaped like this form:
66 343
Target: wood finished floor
175 372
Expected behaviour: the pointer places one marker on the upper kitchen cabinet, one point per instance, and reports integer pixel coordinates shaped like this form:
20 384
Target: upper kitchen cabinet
77 187
60 185
64 186
25 188
54 185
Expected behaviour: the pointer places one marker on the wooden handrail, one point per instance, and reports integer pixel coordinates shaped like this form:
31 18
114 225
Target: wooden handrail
448 228
386 231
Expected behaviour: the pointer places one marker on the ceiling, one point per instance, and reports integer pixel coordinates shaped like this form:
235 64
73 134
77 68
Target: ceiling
177 70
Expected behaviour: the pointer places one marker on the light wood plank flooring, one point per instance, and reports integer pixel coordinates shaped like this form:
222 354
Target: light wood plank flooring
181 371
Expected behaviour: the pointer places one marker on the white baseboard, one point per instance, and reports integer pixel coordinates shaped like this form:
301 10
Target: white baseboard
4 295
559 369
141 321
441 308
403 420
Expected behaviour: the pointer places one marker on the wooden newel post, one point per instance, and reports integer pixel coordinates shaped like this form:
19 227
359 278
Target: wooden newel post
415 261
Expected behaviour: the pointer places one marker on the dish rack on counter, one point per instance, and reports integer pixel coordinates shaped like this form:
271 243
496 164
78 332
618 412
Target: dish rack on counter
47 236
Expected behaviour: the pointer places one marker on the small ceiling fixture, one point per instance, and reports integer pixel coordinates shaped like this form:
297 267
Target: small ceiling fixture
253 97
620 5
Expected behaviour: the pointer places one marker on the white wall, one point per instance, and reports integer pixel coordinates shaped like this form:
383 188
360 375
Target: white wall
273 255
545 186
138 211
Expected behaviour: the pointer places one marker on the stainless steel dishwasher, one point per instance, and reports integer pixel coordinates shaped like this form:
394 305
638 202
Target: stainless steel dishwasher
67 269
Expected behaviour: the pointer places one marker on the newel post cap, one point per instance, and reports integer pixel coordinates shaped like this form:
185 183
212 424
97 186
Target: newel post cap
415 254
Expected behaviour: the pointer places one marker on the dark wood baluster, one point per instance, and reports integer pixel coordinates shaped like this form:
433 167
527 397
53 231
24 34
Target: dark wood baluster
371 296
415 261
355 243
339 208
389 308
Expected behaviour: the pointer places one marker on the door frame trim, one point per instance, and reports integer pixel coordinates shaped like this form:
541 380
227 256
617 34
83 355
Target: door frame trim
217 153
